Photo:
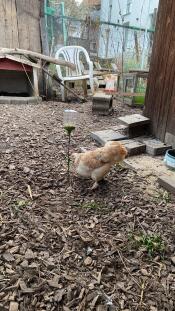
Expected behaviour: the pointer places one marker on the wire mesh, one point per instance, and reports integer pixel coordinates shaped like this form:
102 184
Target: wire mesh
127 48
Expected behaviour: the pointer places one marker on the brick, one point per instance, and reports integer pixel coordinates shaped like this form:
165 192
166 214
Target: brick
134 147
167 182
134 120
155 147
102 137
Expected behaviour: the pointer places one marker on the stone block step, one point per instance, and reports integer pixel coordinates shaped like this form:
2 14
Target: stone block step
134 120
167 182
134 147
102 137
154 147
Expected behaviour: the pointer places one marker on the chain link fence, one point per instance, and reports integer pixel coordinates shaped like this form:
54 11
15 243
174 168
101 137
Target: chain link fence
127 47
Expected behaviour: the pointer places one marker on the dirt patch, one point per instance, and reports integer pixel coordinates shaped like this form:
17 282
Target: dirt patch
63 247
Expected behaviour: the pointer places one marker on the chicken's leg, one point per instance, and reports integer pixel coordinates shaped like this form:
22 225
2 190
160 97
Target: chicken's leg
99 173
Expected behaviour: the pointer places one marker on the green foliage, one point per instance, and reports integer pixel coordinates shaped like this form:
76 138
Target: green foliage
130 64
163 197
92 205
19 205
153 244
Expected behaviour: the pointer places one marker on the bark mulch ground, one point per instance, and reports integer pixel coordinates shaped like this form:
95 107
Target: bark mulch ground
64 247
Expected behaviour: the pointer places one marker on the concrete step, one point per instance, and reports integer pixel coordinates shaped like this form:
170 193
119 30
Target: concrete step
134 147
102 137
154 147
168 183
134 120
137 124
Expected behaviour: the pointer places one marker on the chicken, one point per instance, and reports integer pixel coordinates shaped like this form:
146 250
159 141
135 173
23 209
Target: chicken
96 164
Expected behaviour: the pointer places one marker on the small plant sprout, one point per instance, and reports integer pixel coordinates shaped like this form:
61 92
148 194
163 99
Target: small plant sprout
19 205
92 205
70 119
153 244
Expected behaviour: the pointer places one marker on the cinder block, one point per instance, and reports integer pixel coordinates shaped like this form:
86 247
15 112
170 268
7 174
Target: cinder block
102 137
168 183
134 147
102 104
134 120
154 146
139 130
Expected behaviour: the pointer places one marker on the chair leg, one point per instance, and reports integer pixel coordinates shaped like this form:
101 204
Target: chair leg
63 93
92 85
84 84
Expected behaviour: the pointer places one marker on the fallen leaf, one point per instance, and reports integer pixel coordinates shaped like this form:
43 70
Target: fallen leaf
94 301
14 250
8 257
13 306
88 261
29 254
12 167
173 260
144 272
59 295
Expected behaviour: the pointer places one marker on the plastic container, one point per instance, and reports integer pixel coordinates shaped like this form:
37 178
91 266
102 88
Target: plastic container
70 120
169 159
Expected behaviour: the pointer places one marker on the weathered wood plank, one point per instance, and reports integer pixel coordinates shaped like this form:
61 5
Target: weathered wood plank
165 102
11 29
34 25
156 60
23 24
2 23
160 95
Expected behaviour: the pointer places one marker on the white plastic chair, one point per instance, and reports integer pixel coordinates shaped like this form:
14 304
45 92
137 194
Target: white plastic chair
72 54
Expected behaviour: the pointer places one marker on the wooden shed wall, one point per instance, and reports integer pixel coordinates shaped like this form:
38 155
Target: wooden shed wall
20 24
160 97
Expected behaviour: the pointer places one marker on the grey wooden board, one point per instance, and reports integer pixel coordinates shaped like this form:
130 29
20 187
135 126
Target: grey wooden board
134 120
102 137
155 147
168 183
19 100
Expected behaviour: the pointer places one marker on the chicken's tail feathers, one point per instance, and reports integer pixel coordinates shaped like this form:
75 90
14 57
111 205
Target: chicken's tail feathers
76 157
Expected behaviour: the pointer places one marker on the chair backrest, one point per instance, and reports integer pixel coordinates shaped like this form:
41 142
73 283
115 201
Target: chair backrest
71 54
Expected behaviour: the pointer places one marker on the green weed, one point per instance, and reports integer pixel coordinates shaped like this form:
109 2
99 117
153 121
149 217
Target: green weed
153 244
92 205
19 205
163 197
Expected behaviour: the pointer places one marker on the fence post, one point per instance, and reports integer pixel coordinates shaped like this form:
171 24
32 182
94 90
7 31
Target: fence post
63 23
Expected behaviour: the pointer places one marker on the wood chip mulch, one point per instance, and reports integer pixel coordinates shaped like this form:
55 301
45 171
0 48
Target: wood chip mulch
64 247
